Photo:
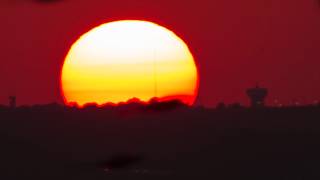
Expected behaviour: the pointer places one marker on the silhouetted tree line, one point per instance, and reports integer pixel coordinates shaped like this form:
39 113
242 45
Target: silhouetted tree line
162 140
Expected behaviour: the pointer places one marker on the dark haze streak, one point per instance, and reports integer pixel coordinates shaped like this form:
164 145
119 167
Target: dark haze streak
47 1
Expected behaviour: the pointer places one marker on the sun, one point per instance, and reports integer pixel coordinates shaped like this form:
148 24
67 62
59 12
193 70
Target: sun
127 59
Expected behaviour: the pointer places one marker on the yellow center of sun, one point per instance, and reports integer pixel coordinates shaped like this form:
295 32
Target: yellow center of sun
127 59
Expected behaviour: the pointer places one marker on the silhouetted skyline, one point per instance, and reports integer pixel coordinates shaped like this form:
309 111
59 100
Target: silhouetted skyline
45 141
235 130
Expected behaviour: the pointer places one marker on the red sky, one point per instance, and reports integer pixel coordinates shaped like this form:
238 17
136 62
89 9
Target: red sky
236 44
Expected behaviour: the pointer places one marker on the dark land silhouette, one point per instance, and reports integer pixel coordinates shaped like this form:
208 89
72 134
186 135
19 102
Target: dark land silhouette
159 141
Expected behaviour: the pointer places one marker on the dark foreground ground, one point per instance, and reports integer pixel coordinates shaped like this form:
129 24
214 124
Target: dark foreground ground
59 143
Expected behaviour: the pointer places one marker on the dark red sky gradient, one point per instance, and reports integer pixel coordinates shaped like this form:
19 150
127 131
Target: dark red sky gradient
236 44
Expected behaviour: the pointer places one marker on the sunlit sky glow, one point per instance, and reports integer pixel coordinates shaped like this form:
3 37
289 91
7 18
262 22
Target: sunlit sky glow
117 61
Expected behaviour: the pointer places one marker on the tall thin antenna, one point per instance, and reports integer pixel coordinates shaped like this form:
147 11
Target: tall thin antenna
155 72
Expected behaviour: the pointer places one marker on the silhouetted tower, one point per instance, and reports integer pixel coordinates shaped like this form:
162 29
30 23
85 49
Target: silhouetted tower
257 96
12 101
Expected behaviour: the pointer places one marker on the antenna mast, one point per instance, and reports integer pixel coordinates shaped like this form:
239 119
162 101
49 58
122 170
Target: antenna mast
155 72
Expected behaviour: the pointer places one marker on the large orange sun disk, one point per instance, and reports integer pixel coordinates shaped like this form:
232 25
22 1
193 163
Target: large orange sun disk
127 59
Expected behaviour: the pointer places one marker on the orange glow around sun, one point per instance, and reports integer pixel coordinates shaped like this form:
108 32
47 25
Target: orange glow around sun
127 59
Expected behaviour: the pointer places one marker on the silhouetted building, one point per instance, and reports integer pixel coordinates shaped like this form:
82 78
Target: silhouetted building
235 105
12 101
221 106
257 96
